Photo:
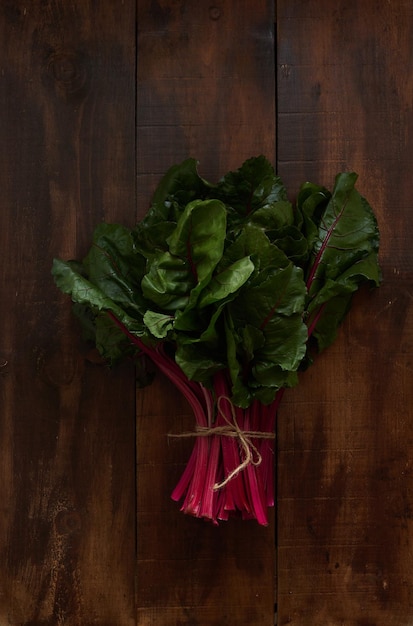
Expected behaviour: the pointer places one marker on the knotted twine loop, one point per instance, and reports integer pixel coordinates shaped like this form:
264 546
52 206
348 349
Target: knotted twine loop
231 429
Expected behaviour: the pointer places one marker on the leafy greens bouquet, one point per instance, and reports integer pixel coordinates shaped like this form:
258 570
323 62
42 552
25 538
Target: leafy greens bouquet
231 290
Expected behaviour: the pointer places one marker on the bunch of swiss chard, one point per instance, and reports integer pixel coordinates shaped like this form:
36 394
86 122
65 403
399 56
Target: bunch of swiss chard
231 290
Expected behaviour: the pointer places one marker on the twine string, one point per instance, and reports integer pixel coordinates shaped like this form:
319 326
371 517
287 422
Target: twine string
250 453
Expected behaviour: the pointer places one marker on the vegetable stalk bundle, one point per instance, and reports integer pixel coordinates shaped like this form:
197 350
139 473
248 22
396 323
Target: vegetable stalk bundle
231 291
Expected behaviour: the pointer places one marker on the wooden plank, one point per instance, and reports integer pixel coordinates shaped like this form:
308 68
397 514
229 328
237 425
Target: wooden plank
206 90
345 434
67 151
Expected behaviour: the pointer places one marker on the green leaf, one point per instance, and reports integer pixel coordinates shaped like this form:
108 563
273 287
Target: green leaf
178 187
273 216
168 282
274 308
344 255
181 183
312 201
110 340
281 293
82 291
199 237
116 268
252 186
253 242
158 324
334 299
347 234
227 282
176 278
198 361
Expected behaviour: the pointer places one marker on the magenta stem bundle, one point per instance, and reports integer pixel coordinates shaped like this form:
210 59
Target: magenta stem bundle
231 467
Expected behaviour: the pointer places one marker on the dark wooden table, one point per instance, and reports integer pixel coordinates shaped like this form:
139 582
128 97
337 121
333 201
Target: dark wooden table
97 100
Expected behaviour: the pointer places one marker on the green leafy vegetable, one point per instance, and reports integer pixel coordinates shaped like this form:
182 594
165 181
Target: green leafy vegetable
231 290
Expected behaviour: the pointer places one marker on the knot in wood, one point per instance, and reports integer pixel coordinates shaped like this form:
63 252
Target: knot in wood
214 13
69 72
67 522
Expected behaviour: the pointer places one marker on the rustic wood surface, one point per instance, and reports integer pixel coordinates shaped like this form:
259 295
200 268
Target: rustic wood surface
206 83
345 93
97 100
67 452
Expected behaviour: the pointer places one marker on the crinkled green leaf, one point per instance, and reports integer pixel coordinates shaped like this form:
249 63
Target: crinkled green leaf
226 282
292 242
254 243
181 183
159 324
176 278
168 282
312 201
151 240
198 361
199 237
273 216
281 293
274 307
252 186
178 187
284 347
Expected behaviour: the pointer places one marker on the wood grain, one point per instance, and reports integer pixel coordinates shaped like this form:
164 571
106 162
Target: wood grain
345 434
205 90
86 136
67 448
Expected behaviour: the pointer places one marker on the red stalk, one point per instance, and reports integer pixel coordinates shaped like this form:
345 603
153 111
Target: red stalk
236 495
313 323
